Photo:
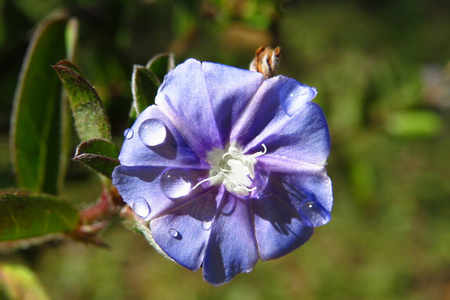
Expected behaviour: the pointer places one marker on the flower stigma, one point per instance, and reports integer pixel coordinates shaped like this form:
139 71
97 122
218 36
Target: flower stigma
234 169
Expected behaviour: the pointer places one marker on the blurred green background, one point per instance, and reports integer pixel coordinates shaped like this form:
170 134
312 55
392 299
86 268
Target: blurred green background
382 69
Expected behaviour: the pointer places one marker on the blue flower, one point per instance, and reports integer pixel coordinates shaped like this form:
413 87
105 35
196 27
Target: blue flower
228 167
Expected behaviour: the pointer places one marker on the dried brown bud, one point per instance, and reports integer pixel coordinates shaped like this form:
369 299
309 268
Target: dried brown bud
266 61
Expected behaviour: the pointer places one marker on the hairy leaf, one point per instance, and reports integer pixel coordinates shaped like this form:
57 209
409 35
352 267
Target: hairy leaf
144 84
24 215
98 155
146 80
161 64
90 117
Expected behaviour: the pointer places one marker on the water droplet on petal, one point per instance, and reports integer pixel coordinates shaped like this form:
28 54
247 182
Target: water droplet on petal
175 183
314 213
141 208
206 225
128 133
294 95
152 132
174 233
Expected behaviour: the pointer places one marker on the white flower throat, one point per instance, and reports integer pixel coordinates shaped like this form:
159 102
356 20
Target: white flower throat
234 169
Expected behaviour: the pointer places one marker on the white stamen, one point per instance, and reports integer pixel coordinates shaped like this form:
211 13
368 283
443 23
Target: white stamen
233 168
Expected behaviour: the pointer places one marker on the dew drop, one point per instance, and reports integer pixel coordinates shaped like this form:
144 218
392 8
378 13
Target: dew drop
314 213
128 133
152 132
174 233
294 95
206 225
175 183
141 207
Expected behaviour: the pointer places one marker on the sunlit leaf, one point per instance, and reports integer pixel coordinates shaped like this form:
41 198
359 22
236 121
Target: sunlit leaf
25 215
90 117
17 282
146 80
38 119
161 64
98 155
144 84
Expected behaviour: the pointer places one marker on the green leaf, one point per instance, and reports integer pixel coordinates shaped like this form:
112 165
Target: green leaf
98 155
146 80
100 164
98 147
71 34
18 282
24 215
38 119
90 117
161 64
144 85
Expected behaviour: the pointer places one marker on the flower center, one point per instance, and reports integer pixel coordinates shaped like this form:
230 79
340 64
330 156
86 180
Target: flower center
233 168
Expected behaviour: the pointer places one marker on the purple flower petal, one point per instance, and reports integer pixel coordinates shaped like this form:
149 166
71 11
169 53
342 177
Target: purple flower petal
281 116
293 95
136 184
154 141
180 234
229 89
232 247
288 209
279 226
309 186
184 97
302 138
302 184
264 106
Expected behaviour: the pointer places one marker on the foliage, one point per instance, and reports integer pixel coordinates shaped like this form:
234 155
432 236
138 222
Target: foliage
38 120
